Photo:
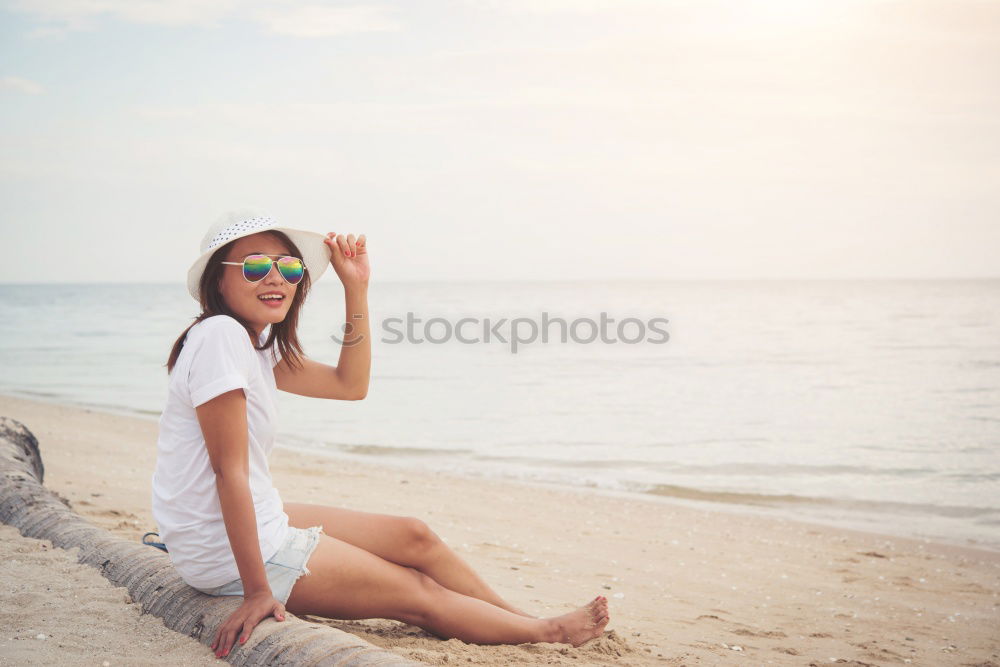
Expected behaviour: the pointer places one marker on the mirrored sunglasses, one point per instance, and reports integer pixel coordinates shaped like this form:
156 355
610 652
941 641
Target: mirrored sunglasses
256 267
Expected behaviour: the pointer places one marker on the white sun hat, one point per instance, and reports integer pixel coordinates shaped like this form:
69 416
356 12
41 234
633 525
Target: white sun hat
316 254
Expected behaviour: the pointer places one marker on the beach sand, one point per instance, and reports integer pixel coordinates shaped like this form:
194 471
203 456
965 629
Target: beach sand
686 586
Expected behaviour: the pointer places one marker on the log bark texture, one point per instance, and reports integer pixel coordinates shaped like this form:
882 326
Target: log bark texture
150 578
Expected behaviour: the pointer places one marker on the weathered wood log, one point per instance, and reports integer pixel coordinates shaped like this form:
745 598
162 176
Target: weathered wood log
151 579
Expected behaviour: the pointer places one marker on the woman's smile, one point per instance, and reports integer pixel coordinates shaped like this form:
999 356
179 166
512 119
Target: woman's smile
273 300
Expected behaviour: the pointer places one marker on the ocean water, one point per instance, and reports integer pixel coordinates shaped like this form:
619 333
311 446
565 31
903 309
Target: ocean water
866 404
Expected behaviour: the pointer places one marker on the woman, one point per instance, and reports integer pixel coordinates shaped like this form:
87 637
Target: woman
223 522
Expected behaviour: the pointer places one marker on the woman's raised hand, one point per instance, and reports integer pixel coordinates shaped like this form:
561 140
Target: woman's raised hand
241 622
349 258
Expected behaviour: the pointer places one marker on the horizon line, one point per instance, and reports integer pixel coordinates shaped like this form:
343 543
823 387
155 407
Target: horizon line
559 280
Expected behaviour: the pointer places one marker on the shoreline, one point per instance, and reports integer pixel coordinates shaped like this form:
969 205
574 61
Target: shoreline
691 497
685 585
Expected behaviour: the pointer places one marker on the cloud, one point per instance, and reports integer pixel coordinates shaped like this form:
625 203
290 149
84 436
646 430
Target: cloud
574 6
288 18
21 85
81 14
321 21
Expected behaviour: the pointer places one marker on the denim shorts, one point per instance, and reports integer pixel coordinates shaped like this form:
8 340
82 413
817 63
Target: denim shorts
284 568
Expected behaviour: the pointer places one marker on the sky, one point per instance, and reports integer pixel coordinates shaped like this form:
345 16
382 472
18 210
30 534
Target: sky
507 139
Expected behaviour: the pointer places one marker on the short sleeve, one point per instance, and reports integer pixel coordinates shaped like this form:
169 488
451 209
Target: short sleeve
220 359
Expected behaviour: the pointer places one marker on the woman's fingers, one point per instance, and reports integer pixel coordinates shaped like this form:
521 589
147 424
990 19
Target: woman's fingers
238 628
219 637
347 244
279 613
223 646
230 640
342 244
230 631
335 244
227 643
247 630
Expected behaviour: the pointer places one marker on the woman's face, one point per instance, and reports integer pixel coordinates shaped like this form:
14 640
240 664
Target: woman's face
244 297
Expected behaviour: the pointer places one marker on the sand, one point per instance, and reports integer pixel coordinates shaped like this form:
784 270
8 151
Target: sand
686 586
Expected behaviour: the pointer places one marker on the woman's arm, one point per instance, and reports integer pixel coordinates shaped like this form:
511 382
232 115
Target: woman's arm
348 380
349 257
354 367
217 379
223 422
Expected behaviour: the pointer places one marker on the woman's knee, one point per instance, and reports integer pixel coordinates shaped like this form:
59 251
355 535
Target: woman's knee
348 582
420 538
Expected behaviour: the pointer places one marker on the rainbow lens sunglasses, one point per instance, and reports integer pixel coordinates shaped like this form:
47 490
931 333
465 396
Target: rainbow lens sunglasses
256 267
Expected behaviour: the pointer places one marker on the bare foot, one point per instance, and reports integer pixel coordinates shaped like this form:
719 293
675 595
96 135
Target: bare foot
580 626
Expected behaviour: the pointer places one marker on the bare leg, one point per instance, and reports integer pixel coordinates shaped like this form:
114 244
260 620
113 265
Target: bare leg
447 568
348 582
452 614
406 541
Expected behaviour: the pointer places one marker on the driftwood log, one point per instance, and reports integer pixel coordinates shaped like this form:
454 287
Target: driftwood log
150 577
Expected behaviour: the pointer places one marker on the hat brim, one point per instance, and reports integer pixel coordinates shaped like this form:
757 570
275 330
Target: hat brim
316 256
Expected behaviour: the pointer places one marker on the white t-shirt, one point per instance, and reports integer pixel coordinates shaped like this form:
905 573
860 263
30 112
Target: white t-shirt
217 357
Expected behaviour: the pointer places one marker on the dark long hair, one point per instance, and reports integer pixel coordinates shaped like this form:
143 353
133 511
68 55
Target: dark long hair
283 334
